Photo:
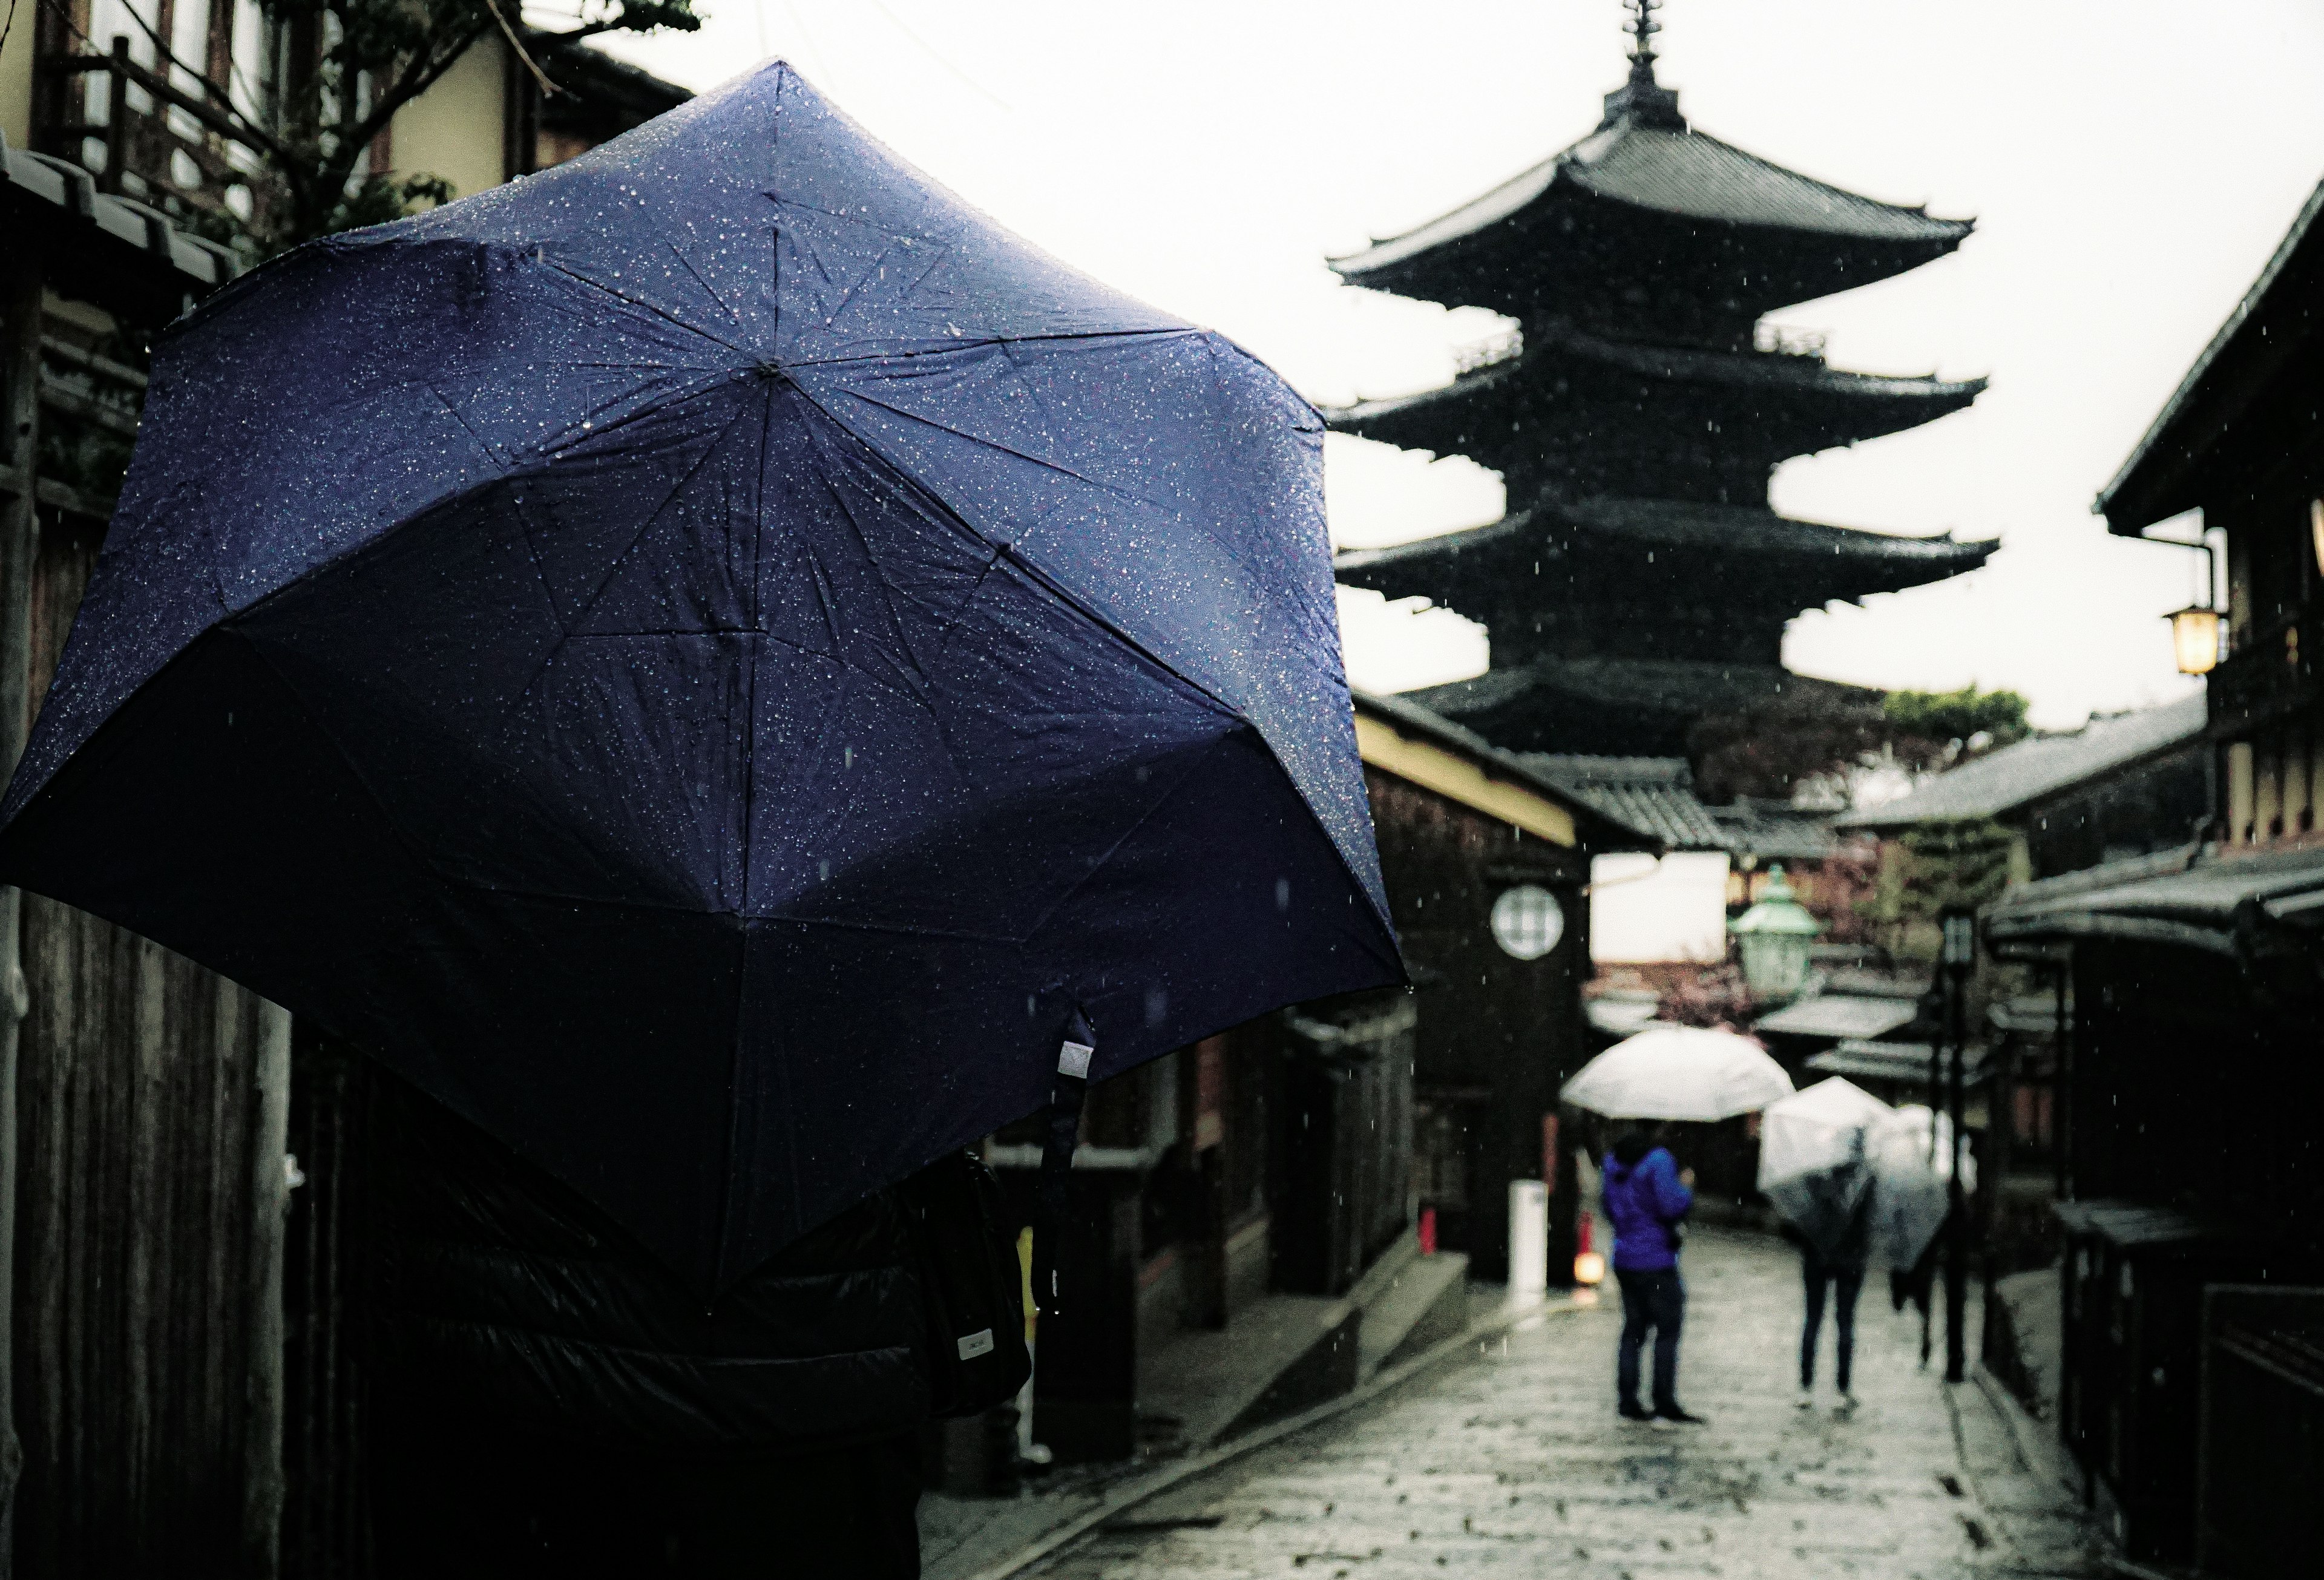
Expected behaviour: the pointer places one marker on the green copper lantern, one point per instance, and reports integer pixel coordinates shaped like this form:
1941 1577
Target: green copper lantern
1774 937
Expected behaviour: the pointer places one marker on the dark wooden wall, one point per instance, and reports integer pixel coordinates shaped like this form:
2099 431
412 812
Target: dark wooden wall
139 1108
1497 1035
142 1172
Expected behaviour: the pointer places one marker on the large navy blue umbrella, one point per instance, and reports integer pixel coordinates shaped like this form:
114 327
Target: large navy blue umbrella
705 660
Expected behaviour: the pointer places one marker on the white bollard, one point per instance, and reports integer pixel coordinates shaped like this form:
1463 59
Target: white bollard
1528 1242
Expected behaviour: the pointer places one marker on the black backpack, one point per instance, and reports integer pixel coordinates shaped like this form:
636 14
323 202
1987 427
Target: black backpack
964 1251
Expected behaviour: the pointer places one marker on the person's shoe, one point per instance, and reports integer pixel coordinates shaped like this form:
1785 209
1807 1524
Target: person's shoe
1846 1407
1631 1412
1807 1399
1670 1416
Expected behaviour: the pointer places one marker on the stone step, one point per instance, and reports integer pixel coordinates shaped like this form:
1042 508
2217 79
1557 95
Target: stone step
1423 1303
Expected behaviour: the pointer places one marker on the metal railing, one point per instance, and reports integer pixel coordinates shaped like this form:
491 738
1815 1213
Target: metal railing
2271 671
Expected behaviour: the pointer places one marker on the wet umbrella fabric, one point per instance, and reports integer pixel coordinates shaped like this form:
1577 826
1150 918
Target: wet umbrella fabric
1911 1159
1678 1072
1815 1158
702 658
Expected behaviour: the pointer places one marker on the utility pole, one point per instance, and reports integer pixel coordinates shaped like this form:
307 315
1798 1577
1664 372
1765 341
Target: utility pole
1960 955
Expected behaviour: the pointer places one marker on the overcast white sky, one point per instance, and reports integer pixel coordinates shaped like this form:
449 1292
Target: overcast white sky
2131 164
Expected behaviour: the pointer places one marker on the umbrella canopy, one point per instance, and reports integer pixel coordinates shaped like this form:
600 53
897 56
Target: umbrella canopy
704 660
1678 1072
1910 1154
1814 1161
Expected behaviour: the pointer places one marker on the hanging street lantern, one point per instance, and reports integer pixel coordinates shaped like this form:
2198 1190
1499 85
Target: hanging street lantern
2195 638
1774 937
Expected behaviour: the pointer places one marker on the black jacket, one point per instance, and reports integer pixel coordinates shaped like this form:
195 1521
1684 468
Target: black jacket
507 1302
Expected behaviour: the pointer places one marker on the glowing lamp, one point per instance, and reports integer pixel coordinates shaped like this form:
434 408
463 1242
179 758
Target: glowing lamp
2195 638
1589 1268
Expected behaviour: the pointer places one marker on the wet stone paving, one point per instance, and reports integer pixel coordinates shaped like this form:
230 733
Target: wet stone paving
1513 1463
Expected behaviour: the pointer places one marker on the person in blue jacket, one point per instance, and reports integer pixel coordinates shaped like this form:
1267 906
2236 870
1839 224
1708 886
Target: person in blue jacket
1647 1197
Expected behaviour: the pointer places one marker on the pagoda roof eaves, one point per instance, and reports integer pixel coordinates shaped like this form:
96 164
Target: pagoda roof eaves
1760 369
1681 173
1690 525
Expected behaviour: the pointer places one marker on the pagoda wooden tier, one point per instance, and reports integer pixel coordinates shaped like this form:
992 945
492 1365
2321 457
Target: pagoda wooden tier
1636 413
1581 412
1610 576
1645 707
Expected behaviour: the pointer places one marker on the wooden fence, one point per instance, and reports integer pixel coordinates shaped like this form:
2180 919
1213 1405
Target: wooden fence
143 1101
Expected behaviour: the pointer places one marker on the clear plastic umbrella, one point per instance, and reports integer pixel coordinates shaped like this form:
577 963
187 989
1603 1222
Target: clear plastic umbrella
1910 1154
1815 1158
1679 1073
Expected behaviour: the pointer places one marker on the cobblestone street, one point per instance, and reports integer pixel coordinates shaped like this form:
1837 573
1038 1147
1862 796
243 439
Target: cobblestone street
1514 1462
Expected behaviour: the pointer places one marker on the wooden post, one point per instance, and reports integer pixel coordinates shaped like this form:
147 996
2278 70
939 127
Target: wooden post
116 117
269 1205
20 410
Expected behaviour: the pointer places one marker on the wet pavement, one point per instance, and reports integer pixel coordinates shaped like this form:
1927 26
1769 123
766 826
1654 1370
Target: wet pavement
1513 1463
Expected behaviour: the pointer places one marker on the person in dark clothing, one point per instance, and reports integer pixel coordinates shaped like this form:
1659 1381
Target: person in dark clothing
1647 1198
551 1400
1916 1285
1838 1268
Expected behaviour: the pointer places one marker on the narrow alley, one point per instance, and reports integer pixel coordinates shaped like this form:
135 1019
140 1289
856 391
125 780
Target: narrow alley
1515 1464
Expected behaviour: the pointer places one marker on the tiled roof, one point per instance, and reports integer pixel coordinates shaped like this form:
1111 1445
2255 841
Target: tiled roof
1609 834
118 252
2189 896
2002 781
1654 795
1777 832
1682 173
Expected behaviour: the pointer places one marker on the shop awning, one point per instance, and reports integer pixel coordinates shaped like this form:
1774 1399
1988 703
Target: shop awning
1861 1061
1839 1016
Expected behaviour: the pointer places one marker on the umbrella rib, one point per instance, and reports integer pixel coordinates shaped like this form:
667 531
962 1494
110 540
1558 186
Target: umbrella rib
614 569
896 627
708 289
909 353
664 314
492 452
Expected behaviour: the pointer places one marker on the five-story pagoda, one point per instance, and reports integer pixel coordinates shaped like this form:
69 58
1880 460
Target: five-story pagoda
1640 580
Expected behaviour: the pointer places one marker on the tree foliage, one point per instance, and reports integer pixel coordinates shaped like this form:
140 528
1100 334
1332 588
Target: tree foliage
1934 866
348 67
1966 721
1772 751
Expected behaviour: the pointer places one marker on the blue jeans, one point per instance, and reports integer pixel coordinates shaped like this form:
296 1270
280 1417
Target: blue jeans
1657 1300
1847 1282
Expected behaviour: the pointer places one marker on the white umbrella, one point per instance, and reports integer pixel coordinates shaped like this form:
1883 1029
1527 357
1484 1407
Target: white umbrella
1910 1160
1815 1158
1679 1073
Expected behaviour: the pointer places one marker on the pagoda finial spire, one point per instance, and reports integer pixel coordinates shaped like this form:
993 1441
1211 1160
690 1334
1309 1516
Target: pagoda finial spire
1642 99
1642 28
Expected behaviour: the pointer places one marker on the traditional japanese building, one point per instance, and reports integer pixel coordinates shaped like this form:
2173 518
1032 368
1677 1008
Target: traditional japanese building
1640 580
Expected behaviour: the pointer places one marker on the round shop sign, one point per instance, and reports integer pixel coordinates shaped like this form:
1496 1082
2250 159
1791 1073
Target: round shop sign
1527 922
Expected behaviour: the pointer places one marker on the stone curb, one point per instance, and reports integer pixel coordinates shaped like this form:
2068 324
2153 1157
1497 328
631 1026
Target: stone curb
2036 1447
1129 1494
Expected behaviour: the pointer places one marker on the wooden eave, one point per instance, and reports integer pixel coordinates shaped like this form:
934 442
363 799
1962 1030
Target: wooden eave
1405 740
2166 473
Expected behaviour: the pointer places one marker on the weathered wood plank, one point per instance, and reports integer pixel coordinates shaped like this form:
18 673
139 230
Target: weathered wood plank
20 442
